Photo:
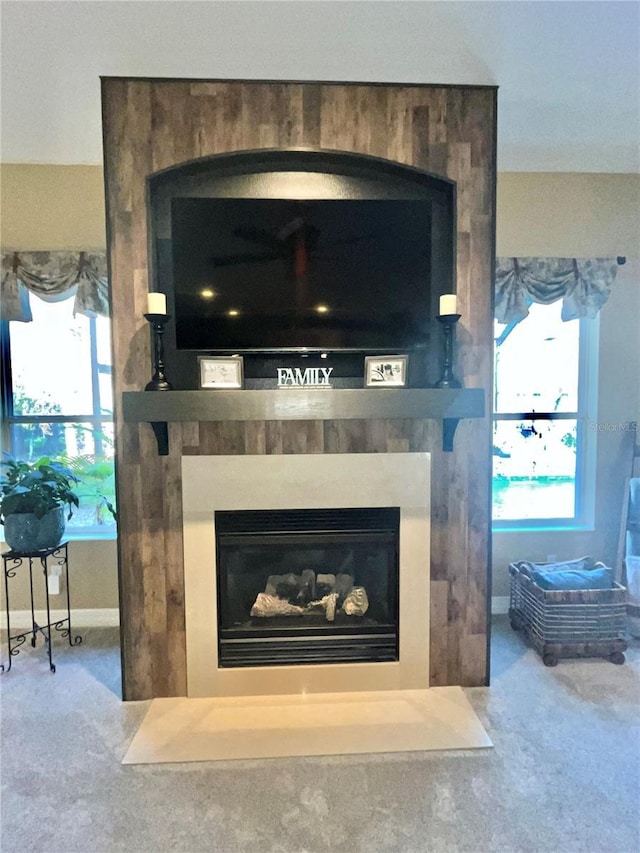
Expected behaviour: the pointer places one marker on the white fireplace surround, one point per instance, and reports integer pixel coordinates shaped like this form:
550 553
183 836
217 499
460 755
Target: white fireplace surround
305 481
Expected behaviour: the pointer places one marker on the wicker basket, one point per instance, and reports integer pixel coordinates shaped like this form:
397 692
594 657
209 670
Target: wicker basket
568 623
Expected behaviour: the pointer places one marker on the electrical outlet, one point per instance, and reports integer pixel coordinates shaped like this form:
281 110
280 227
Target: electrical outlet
53 584
552 558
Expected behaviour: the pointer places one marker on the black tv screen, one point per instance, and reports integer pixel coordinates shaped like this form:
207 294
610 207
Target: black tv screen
259 274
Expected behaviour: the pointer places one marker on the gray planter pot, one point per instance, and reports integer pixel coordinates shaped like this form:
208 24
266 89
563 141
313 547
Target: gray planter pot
25 532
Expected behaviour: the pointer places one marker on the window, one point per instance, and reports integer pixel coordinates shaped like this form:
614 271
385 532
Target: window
57 402
545 382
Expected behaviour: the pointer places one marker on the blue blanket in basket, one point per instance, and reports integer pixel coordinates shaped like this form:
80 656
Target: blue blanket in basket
574 578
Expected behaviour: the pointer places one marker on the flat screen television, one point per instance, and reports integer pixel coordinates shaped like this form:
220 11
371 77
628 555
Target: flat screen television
278 274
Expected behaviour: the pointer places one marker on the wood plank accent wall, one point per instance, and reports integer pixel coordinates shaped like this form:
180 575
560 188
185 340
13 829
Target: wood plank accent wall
150 125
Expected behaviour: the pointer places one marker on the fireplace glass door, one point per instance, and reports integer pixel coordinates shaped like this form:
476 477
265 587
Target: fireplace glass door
307 586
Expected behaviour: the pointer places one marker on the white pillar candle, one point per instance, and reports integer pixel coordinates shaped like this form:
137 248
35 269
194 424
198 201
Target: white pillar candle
448 304
156 303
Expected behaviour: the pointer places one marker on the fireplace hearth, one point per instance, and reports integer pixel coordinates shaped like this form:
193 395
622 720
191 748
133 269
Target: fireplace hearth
307 586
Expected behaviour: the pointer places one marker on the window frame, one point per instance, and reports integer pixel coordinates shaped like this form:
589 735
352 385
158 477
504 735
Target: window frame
95 420
586 439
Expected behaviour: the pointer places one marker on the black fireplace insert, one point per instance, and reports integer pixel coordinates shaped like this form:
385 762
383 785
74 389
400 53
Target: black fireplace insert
307 586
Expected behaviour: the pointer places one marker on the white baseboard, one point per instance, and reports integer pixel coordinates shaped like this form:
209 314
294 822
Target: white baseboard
105 617
499 605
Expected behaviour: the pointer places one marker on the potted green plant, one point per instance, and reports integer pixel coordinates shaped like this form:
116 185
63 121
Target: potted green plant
33 499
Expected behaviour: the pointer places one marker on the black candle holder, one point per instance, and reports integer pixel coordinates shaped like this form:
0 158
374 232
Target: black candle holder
158 380
448 380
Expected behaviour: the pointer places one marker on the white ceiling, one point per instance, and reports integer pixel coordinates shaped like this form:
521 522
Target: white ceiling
568 72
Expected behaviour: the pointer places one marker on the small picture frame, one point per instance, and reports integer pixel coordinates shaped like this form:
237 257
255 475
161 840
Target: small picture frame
385 371
221 371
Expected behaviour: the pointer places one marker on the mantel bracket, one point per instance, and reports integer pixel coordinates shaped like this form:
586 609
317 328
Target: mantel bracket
449 426
161 430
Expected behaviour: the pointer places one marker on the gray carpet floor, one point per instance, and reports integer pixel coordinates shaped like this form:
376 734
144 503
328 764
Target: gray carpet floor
563 776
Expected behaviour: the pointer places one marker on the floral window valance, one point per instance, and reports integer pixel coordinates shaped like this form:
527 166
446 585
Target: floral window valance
54 276
583 284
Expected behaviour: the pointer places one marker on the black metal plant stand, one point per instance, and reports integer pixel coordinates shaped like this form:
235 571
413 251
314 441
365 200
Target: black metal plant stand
448 380
159 380
12 561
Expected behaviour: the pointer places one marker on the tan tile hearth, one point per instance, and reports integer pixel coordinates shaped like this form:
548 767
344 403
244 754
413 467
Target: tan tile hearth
179 730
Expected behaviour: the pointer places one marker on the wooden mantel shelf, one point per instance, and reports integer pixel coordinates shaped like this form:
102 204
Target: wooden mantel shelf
161 407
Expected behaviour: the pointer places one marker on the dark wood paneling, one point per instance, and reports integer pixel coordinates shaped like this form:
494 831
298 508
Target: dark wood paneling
152 124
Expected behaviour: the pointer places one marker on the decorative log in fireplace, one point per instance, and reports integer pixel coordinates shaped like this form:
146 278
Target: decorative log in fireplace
307 586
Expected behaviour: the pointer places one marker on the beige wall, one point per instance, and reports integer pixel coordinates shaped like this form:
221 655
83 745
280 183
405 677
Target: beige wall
60 207
582 215
93 580
51 207
566 215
